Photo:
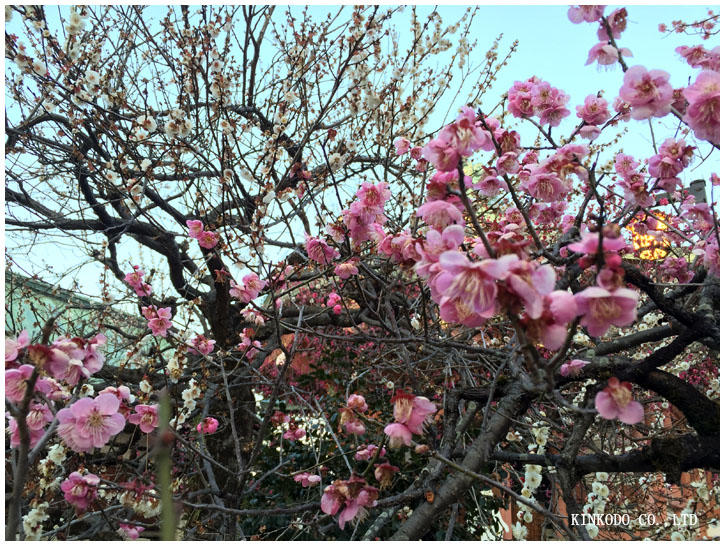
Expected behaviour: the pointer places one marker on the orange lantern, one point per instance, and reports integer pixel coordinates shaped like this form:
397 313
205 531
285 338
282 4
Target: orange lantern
651 247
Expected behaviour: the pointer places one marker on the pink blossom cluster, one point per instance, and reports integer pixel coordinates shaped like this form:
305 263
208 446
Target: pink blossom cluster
206 239
135 280
400 248
549 181
39 415
249 290
672 158
700 57
76 358
248 347
365 453
201 345
365 217
334 300
677 268
352 495
90 423
159 320
306 479
457 140
350 415
608 303
593 112
535 97
319 251
615 402
294 432
80 490
411 413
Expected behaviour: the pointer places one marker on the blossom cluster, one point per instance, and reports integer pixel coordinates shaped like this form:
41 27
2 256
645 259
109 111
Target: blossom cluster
135 280
206 238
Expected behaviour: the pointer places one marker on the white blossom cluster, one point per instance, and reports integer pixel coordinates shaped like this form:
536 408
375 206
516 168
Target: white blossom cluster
596 500
145 505
176 365
178 124
189 396
532 479
33 521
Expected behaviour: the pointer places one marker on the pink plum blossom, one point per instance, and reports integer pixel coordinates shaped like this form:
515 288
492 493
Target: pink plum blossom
398 435
319 251
208 239
306 479
589 244
573 367
606 54
699 57
35 433
594 110
615 402
560 308
402 145
208 425
146 417
508 163
648 92
590 14
90 423
528 283
135 280
39 415
603 308
457 140
158 319
294 433
439 214
249 290
16 381
346 270
13 346
468 288
202 345
365 453
80 490
703 112
131 532
373 196
546 186
617 23
352 495
384 473
196 227
411 413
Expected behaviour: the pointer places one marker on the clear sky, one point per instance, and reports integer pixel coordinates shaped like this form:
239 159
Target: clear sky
551 48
